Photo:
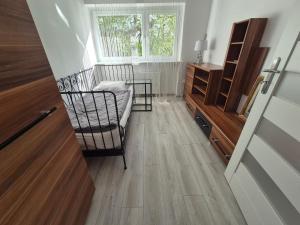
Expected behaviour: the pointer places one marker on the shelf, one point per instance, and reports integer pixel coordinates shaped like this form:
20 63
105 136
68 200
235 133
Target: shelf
200 89
201 79
221 101
233 62
199 97
229 71
224 94
208 67
201 74
233 53
239 31
237 43
220 107
225 88
229 78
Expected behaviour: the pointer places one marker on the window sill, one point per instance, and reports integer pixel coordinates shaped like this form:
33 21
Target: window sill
137 62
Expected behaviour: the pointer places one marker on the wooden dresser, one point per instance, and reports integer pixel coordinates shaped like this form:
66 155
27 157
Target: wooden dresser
201 87
212 92
43 176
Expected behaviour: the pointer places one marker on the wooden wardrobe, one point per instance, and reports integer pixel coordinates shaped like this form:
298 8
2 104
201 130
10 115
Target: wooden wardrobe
43 176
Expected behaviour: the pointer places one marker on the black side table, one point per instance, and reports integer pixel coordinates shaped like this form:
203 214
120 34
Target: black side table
146 87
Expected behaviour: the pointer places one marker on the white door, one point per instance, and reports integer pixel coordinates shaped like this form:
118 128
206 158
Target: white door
264 171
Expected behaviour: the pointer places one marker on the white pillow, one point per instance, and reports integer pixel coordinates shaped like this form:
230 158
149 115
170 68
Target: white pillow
110 85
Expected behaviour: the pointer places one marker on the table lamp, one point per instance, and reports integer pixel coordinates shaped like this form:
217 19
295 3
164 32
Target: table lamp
200 47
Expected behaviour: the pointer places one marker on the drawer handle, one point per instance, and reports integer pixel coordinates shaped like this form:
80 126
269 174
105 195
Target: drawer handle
217 140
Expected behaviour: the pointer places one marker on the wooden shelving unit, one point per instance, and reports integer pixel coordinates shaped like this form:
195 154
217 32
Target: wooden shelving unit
245 38
212 95
205 81
202 81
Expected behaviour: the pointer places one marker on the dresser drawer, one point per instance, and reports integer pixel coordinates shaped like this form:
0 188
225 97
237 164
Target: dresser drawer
221 144
188 86
190 71
188 81
191 105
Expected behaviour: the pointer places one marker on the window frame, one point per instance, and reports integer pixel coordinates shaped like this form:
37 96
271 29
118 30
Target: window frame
145 10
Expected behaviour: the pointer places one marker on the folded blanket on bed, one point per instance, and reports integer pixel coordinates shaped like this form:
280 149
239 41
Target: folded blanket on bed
86 114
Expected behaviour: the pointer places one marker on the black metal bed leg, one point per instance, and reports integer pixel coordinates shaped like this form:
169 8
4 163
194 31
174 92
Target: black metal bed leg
124 161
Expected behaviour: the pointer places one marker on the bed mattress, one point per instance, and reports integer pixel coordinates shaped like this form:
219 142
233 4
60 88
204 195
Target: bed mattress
109 138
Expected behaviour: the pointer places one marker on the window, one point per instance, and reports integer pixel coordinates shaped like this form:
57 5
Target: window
162 32
142 33
121 35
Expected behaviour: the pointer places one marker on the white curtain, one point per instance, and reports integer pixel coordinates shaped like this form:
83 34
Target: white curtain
167 77
122 36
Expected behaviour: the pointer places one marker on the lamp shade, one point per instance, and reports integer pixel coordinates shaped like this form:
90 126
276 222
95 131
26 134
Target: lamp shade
200 45
197 46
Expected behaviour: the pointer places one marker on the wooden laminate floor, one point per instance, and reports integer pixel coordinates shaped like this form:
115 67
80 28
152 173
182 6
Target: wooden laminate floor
174 177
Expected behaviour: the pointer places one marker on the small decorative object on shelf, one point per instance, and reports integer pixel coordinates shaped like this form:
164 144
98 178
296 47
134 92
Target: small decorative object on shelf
251 98
200 47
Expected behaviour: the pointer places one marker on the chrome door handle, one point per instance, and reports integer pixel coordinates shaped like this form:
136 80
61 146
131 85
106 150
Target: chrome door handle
271 72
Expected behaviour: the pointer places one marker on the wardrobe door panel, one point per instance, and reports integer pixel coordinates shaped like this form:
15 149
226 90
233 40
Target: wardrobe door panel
20 65
43 176
26 156
17 24
22 56
25 103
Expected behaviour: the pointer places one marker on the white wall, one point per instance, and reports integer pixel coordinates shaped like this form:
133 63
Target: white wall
224 13
195 21
64 28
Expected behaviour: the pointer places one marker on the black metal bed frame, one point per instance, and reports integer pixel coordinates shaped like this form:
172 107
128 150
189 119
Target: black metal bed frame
74 87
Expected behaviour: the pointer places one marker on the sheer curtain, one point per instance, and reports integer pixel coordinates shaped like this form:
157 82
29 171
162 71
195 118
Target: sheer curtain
145 35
